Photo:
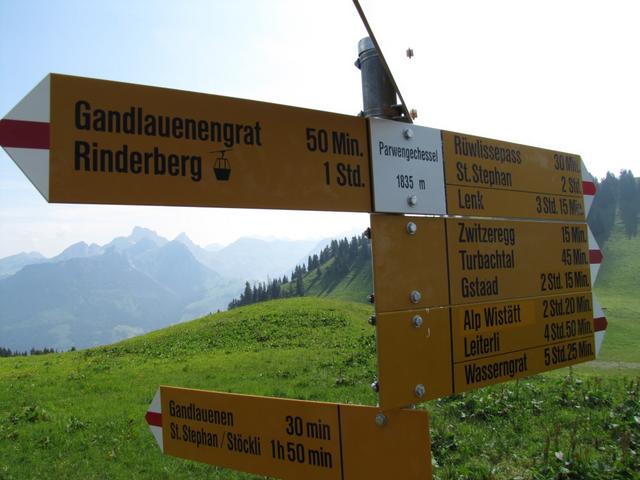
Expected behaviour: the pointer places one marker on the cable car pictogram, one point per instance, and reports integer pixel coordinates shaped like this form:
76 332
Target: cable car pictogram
221 167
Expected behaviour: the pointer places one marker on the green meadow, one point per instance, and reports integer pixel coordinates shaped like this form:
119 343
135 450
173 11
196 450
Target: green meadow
618 289
80 414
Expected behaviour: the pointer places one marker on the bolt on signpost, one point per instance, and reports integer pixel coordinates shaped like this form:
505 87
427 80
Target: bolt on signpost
483 263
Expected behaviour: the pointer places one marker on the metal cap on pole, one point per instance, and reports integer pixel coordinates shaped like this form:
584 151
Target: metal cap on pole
376 75
378 91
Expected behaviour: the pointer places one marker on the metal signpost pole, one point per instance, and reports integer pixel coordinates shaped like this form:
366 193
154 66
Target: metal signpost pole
378 92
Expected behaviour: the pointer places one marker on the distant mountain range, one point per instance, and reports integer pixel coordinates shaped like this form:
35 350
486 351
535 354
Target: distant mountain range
14 263
96 294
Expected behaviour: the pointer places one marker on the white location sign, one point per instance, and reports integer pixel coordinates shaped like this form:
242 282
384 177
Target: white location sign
408 172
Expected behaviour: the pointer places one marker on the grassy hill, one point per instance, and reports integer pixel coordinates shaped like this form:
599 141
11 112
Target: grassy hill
81 414
618 290
355 285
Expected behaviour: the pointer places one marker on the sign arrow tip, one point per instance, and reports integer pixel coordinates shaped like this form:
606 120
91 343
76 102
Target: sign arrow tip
25 135
154 419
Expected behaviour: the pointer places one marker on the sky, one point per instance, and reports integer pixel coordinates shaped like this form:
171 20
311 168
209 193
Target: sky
559 74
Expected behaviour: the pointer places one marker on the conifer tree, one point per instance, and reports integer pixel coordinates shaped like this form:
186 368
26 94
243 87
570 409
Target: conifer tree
603 211
629 203
299 286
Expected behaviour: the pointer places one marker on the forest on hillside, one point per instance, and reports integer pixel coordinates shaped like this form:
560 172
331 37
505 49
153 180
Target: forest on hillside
334 261
615 197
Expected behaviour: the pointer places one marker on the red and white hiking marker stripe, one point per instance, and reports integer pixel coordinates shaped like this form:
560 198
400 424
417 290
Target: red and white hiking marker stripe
154 419
588 189
595 256
25 135
599 320
599 323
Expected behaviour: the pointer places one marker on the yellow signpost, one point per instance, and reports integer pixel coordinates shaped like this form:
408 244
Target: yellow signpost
510 366
462 302
414 349
431 353
492 260
425 171
291 439
409 255
491 178
430 262
119 143
488 329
